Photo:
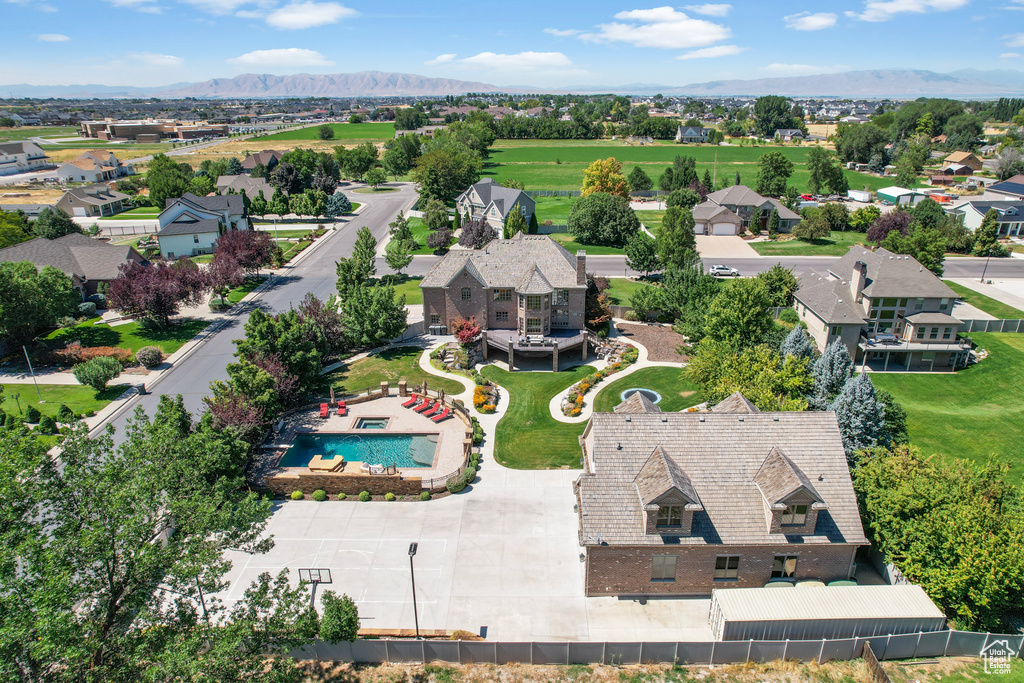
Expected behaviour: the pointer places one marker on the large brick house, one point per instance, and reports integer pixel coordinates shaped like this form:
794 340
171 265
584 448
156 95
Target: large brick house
684 503
887 308
492 202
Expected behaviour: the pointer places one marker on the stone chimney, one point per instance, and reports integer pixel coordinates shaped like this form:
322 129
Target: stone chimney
581 267
858 280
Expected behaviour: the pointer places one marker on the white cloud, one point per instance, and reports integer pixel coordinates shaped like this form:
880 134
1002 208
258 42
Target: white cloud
287 57
716 51
518 61
711 10
153 59
563 33
1011 55
308 14
800 69
135 4
663 27
884 10
53 37
1014 40
440 59
805 21
225 6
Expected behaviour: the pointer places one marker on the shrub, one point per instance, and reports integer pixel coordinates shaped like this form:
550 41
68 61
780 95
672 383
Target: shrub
66 321
64 414
389 496
469 474
455 484
465 635
74 353
340 621
298 495
47 425
32 415
424 495
319 495
12 421
478 432
3 417
99 299
364 496
631 315
788 315
342 496
87 309
149 356
97 372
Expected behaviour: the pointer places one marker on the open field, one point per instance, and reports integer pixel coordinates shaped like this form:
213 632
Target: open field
26 132
390 365
972 414
30 195
123 151
554 209
985 303
676 393
342 131
836 245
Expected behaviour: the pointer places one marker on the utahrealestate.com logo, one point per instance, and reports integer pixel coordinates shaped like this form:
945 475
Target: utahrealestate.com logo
998 655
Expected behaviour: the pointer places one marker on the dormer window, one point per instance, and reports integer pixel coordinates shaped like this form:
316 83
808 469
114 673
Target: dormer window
670 516
794 515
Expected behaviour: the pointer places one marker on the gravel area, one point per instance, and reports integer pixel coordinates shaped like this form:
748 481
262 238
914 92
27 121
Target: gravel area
660 340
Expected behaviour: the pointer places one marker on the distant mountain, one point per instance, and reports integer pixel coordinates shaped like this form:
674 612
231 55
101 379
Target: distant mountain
362 84
1007 77
76 91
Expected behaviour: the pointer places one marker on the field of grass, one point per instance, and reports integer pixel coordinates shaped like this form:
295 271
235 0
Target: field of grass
836 245
141 212
676 393
391 365
621 288
410 287
81 400
130 336
985 303
26 132
554 209
527 437
972 414
652 219
566 240
342 132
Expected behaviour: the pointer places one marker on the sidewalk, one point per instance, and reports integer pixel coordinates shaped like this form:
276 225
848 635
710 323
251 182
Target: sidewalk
1009 292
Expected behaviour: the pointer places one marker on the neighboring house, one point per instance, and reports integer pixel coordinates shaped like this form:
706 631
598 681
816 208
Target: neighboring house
887 308
22 157
93 201
743 202
1007 190
789 134
901 196
190 225
245 183
693 134
684 503
956 170
31 211
493 202
711 219
93 167
267 157
854 119
963 158
87 261
1010 218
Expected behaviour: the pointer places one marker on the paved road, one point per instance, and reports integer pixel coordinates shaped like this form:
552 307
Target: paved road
316 274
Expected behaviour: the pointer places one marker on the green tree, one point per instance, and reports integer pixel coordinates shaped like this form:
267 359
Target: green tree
445 170
234 167
986 236
340 622
301 205
770 381
687 291
798 344
278 203
400 229
290 338
755 221
684 198
375 177
739 315
644 301
398 255
675 240
166 178
639 181
410 118
773 172
895 417
813 228
515 222
357 160
395 162
641 253
54 223
863 217
373 315
435 215
773 224
780 283
771 113
825 172
324 132
860 416
337 206
97 372
927 246
32 300
603 219
906 174
202 185
831 372
926 125
259 206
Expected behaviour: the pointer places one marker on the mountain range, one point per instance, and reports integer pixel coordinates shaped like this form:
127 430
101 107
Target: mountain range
891 83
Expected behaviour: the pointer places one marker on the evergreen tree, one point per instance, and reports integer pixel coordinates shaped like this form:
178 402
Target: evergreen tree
235 167
400 229
686 293
755 221
641 254
895 418
675 239
986 237
773 224
639 181
737 179
278 203
337 205
533 222
860 416
831 371
259 205
798 344
706 180
364 252
54 223
515 222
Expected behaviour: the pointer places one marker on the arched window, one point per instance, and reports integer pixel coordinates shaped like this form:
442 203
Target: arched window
467 294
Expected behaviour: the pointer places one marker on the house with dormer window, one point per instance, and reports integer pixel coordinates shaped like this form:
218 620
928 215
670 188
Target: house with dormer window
489 201
190 225
684 503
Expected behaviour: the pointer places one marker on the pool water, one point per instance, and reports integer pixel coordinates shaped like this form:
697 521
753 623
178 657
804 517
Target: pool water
401 450
372 423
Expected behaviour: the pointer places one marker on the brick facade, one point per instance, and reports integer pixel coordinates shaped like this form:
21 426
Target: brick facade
626 570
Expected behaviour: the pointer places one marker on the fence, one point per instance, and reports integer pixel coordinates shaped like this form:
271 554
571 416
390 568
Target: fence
878 674
908 646
993 326
577 193
121 230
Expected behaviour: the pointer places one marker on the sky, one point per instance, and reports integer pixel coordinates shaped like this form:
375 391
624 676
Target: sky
546 44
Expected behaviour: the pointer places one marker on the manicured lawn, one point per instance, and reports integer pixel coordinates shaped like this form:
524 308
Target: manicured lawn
676 393
652 219
293 233
986 303
80 399
391 365
251 283
528 438
294 250
140 213
566 240
26 132
410 287
836 245
376 190
131 336
342 132
972 414
621 289
420 233
554 209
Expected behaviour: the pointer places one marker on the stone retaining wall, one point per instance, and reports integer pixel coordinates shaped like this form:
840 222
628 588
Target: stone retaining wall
350 484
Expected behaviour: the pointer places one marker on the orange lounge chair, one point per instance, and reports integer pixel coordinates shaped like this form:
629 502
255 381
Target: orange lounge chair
443 415
325 410
411 402
422 408
435 410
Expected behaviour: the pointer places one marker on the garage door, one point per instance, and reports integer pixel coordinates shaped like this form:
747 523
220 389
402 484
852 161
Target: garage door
698 228
723 229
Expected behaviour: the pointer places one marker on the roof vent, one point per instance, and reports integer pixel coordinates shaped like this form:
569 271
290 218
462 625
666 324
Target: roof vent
629 419
775 418
741 418
701 418
664 418
619 446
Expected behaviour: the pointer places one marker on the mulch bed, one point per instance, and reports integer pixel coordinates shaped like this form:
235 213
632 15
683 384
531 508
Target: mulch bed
661 341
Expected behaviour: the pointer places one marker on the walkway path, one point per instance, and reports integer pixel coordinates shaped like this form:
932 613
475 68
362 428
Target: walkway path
1009 292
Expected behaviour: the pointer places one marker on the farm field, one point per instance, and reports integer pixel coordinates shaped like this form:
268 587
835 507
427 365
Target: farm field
342 131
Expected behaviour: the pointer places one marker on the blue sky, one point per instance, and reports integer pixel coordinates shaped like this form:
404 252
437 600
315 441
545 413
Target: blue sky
547 44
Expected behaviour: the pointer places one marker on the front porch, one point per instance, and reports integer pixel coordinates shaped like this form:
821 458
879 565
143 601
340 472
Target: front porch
554 343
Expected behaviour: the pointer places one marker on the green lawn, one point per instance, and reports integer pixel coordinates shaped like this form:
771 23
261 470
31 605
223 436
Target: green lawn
554 209
26 132
294 250
410 287
80 399
985 303
621 289
391 365
130 335
251 283
836 245
141 212
527 437
420 233
283 233
652 219
566 240
375 190
342 132
972 414
676 393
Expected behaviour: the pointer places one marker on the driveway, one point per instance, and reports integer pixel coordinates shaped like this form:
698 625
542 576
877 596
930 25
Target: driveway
723 246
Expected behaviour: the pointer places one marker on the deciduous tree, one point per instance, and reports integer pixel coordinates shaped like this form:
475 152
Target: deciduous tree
644 301
54 223
739 315
32 300
773 172
398 255
642 254
639 181
768 380
373 315
154 292
603 219
476 233
605 175
780 283
515 222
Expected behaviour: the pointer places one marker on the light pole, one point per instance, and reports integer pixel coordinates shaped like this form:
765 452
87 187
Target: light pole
985 269
412 575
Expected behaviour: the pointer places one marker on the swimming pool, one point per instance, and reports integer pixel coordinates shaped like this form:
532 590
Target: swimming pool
372 423
401 450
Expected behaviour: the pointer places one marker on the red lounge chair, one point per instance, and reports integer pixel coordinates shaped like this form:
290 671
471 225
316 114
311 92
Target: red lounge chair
325 410
342 410
443 415
422 401
411 401
423 408
435 410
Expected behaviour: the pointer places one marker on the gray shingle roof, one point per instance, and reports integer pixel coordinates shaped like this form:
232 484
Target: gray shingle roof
1014 186
661 475
504 198
636 403
186 224
778 479
534 283
506 263
891 275
830 299
741 195
75 254
705 211
97 193
736 403
933 318
720 455
1007 212
232 203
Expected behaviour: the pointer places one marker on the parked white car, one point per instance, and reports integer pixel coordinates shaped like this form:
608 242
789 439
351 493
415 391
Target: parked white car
723 271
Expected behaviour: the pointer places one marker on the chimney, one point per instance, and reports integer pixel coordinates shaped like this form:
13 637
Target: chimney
581 267
858 280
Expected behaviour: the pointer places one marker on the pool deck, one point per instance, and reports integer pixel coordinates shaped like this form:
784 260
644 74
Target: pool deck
451 432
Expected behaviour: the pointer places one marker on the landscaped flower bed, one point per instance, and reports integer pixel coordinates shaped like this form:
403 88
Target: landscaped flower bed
620 357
